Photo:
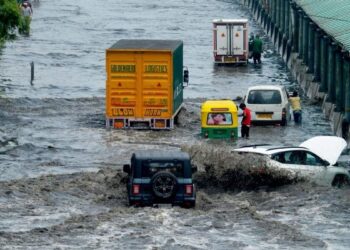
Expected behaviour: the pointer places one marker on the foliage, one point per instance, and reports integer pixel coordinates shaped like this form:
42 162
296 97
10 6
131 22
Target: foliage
24 25
10 18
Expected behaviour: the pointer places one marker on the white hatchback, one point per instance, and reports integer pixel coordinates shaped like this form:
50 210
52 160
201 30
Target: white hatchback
315 159
268 104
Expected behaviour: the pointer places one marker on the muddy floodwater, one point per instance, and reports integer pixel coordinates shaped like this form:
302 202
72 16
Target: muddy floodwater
61 184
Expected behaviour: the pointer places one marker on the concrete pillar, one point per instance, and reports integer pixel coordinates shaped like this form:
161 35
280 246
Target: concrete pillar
283 15
268 25
275 11
305 38
295 28
346 81
300 35
287 18
339 88
270 7
311 47
324 63
258 11
317 55
331 73
250 3
278 13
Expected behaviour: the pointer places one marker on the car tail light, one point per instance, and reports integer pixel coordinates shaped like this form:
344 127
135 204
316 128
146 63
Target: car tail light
135 189
189 189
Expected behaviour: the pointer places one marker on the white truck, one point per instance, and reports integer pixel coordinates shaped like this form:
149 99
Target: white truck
231 41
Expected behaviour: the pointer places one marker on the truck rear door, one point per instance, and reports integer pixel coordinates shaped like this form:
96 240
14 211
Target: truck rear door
237 38
222 37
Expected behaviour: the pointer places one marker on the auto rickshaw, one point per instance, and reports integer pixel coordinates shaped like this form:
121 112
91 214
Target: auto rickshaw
219 119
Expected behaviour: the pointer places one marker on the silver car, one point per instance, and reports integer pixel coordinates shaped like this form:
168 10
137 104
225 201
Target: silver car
315 159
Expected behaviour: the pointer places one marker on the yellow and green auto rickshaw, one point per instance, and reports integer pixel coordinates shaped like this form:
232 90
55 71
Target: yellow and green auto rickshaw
219 119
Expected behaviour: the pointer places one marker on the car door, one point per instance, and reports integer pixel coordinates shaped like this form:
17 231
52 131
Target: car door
304 163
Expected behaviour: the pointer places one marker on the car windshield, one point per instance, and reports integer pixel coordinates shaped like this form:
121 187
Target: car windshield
264 97
150 168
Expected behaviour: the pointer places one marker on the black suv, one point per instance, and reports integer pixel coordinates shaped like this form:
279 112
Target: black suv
156 177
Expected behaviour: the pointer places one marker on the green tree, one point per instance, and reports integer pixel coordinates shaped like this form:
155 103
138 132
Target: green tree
10 19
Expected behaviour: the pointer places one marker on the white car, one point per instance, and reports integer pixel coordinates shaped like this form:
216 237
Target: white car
315 159
268 104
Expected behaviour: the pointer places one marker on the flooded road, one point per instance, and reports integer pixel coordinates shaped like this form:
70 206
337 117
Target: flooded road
61 185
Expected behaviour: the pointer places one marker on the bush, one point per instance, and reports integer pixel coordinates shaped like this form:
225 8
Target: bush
24 25
10 18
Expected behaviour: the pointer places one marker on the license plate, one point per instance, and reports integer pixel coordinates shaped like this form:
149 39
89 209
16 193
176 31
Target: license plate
229 59
264 116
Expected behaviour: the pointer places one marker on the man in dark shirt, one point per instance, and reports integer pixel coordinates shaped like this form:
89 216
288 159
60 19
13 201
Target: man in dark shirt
257 49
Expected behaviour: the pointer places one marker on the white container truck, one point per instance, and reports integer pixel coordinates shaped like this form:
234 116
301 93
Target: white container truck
231 41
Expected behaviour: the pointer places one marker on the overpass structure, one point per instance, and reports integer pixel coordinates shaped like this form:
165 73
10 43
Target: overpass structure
313 37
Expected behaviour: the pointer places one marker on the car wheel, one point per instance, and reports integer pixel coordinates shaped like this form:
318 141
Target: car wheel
163 184
340 181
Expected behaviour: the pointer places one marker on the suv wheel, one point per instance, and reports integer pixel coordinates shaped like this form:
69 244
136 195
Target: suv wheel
163 184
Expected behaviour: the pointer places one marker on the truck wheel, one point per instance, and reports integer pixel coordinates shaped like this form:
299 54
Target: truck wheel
340 181
163 184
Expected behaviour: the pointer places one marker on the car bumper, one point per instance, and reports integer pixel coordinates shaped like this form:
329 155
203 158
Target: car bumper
148 200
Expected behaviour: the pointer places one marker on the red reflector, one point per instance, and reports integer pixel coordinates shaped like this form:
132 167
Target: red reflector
119 124
135 189
188 189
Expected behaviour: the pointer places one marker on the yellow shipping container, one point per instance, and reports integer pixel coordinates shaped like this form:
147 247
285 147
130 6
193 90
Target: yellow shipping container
144 87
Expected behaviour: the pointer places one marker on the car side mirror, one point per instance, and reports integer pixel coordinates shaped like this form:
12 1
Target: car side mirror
126 168
194 169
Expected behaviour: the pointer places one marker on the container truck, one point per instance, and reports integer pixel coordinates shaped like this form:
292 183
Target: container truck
230 41
144 85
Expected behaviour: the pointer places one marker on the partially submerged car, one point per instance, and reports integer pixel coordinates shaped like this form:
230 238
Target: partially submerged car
160 177
315 159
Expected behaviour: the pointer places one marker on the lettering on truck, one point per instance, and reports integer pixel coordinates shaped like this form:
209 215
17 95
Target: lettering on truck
122 112
177 90
153 112
156 68
118 68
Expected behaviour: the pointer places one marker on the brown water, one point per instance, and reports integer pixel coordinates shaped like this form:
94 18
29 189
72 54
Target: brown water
61 185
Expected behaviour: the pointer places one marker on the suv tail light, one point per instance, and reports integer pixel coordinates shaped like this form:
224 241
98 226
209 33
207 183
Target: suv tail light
135 189
189 189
